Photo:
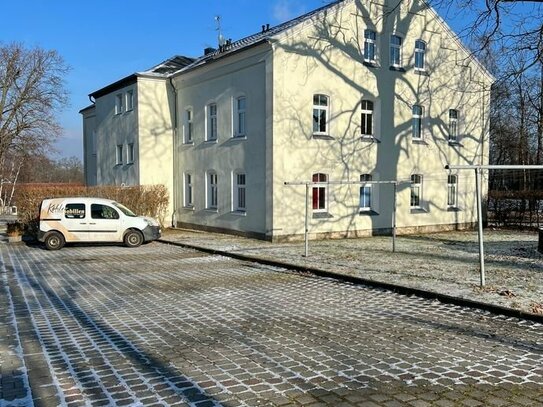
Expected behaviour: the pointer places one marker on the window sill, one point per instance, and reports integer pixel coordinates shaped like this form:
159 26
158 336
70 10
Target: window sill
214 141
454 209
370 64
130 163
188 143
118 165
455 143
323 137
370 139
417 210
421 72
212 210
321 215
368 212
239 213
420 141
189 207
236 137
396 68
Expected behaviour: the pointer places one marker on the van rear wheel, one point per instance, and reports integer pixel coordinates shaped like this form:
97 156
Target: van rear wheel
54 241
133 238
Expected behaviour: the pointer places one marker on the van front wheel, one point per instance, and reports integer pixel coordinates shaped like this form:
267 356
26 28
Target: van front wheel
133 238
54 241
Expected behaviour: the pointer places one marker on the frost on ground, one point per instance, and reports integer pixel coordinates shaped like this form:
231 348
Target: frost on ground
446 263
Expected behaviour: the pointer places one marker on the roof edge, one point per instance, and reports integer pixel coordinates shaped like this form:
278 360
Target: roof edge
121 83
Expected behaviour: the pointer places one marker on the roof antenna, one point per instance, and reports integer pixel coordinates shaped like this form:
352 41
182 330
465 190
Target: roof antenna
220 37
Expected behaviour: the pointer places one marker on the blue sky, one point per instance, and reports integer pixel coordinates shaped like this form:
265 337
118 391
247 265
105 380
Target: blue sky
103 41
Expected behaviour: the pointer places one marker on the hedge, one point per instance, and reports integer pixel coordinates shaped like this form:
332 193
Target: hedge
147 200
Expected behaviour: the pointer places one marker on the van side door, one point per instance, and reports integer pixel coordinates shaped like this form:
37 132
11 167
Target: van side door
75 222
104 224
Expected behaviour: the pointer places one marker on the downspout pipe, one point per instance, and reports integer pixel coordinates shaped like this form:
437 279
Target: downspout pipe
175 154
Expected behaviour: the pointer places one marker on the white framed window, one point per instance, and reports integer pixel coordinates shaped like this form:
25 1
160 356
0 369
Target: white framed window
370 46
418 114
119 154
239 193
396 51
319 193
416 191
129 100
420 55
188 197
212 190
211 130
366 118
453 125
130 153
119 103
188 126
365 192
321 113
240 116
452 191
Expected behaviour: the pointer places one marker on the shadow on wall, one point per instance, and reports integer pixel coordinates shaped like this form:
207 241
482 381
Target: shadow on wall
333 53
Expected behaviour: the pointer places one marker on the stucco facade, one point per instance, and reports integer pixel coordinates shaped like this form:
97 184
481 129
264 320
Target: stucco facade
352 91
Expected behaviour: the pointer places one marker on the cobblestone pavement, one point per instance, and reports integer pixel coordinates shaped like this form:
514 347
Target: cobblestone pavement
444 263
162 325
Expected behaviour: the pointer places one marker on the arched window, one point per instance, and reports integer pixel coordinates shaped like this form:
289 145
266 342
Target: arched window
418 112
321 114
366 118
420 55
416 190
452 191
365 192
319 193
370 46
212 190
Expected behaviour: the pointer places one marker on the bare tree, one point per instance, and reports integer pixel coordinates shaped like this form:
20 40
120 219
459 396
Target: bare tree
31 93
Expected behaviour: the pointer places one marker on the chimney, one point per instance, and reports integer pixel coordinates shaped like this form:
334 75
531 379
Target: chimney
263 28
209 50
267 27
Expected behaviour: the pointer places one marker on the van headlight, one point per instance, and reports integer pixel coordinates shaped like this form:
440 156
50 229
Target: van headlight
151 222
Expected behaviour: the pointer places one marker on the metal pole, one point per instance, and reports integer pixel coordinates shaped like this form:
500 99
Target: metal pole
306 231
394 220
478 174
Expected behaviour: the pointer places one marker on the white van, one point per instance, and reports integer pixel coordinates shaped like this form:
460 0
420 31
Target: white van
92 220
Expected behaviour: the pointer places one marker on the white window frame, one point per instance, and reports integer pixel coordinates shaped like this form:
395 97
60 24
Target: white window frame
129 100
416 185
130 153
239 192
364 112
319 189
119 103
420 55
119 154
188 126
417 118
453 126
188 190
452 191
366 187
370 43
212 123
397 49
240 117
321 108
212 190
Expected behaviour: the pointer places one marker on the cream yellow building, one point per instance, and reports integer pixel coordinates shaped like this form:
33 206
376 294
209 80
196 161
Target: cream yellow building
349 93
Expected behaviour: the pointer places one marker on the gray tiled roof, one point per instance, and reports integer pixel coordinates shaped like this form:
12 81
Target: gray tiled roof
254 39
170 65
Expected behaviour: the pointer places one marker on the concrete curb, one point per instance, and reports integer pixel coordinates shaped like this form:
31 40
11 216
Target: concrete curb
400 289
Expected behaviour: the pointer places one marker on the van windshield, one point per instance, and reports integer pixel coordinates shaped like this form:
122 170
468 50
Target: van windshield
124 210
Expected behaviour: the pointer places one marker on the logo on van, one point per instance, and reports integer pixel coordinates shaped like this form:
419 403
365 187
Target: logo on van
55 208
74 213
